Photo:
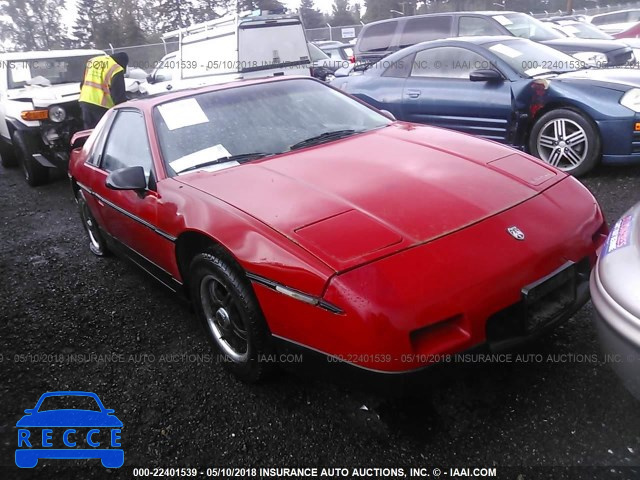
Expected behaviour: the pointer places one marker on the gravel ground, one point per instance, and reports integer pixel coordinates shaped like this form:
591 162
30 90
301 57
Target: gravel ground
57 299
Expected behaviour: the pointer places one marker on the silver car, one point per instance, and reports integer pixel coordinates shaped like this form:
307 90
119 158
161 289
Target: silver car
615 293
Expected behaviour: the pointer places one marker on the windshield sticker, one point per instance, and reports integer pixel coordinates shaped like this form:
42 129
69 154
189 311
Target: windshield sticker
502 20
505 50
620 235
183 113
201 156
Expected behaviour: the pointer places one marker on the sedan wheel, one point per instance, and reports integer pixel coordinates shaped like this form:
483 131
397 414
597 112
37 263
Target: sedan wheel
566 140
230 314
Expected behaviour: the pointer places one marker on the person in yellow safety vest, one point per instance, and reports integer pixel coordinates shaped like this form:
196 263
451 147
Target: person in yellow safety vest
102 86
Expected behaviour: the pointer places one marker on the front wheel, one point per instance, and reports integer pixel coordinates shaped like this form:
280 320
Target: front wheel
230 314
25 146
97 244
566 140
7 155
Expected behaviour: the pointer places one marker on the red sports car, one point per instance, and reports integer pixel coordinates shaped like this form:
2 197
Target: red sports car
296 217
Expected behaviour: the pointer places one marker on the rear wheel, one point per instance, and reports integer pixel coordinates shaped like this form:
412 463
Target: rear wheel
97 244
566 140
230 314
25 146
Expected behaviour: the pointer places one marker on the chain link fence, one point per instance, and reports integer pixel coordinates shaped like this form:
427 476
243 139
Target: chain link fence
588 11
145 57
341 34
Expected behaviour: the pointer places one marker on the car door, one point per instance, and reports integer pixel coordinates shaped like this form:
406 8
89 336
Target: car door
131 217
439 92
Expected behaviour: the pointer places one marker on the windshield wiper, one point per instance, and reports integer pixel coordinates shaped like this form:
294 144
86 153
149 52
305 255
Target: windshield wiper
241 157
323 137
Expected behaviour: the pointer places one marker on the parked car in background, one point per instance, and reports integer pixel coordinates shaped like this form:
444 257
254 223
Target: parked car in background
298 218
341 52
322 66
615 283
631 32
513 91
39 109
379 39
575 28
614 22
231 48
327 43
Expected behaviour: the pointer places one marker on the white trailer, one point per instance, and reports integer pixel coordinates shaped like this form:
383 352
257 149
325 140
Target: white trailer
230 48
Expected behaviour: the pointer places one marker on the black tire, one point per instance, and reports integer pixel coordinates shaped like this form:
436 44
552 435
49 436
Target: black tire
25 146
548 141
97 245
8 157
228 311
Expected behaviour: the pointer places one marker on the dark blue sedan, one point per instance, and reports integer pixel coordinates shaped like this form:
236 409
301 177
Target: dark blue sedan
513 91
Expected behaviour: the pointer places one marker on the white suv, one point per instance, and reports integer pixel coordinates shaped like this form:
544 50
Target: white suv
39 109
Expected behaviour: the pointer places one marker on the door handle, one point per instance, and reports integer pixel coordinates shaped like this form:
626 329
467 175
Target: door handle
413 93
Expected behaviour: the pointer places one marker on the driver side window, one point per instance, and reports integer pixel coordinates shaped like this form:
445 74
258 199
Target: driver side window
127 144
447 62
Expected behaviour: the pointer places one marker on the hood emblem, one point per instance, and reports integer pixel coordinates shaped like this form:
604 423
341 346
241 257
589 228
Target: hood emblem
516 233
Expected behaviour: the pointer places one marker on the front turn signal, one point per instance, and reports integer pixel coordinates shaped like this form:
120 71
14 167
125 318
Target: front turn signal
32 115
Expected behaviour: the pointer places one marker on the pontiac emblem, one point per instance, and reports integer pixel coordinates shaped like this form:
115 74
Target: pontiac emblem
516 233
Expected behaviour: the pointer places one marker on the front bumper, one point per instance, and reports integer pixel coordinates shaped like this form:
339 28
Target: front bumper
620 140
615 283
402 312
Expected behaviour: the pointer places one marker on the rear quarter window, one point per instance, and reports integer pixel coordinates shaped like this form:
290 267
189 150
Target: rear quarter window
422 29
377 38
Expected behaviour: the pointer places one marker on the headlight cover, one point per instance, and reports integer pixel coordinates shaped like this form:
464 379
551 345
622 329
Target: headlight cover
631 99
595 59
57 114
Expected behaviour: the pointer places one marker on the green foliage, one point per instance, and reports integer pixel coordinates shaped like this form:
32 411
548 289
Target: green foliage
33 24
341 14
311 16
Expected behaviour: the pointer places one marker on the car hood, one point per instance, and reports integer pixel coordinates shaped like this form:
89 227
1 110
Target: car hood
46 96
632 42
69 418
369 195
574 44
615 78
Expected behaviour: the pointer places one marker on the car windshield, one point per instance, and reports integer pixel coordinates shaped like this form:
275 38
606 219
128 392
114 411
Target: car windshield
524 26
584 30
46 71
65 402
226 127
531 59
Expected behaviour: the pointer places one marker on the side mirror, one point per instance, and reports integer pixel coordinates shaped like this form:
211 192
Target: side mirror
388 114
485 75
130 178
151 79
80 138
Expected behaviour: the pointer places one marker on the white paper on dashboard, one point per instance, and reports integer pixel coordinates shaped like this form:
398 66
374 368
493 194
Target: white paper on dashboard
182 113
505 50
502 20
201 156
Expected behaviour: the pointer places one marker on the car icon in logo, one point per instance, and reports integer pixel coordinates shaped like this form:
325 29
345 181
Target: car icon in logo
83 429
516 233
